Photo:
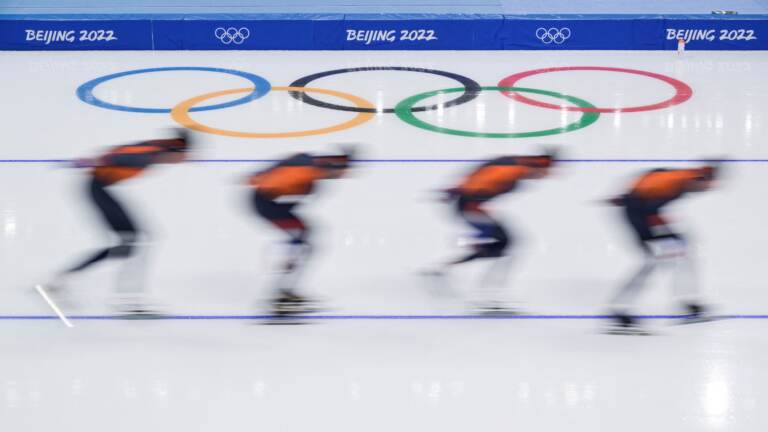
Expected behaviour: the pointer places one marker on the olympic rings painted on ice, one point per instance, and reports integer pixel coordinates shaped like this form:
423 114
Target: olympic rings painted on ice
180 114
403 110
471 88
85 91
682 91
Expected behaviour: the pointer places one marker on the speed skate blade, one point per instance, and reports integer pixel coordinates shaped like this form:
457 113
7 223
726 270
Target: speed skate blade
699 319
627 331
499 312
285 320
142 316
496 310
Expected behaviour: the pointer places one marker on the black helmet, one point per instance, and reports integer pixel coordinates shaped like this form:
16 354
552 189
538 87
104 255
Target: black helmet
181 141
337 160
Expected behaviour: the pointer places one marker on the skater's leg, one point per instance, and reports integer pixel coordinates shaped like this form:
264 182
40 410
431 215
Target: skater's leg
685 284
299 250
292 269
489 240
493 281
130 286
624 298
117 220
639 217
96 257
666 251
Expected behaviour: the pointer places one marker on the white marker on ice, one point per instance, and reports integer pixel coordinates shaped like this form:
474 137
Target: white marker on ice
53 306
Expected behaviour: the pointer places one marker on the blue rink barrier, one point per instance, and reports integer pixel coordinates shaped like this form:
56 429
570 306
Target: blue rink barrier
382 32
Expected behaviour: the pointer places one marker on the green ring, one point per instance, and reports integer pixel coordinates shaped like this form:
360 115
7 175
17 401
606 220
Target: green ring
403 111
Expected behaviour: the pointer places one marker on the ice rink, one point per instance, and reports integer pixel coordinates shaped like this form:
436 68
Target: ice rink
394 350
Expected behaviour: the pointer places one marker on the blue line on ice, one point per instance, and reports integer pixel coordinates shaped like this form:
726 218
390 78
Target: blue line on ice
374 317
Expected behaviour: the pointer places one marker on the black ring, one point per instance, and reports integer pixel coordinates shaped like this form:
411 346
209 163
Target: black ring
471 89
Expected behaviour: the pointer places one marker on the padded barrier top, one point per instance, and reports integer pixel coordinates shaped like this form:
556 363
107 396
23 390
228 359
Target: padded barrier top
429 31
514 7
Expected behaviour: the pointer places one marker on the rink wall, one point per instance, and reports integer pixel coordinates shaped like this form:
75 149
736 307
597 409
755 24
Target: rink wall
275 31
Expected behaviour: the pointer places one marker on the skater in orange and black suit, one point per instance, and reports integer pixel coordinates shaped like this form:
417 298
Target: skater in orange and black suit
276 193
117 165
487 182
642 208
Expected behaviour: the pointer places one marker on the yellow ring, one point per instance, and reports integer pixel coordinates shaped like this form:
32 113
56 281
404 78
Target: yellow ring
180 113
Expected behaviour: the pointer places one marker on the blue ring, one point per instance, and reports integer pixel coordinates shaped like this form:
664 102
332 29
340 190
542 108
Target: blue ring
260 87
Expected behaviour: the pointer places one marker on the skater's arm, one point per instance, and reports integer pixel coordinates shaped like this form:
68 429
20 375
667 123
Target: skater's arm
129 160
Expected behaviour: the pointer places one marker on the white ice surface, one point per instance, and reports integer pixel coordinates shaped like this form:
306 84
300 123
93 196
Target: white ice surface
211 256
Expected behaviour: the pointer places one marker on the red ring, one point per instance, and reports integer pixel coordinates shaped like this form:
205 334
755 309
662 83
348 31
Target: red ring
683 92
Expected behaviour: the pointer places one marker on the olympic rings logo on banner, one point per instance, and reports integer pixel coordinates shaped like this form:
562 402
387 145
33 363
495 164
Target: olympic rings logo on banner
232 35
404 110
555 35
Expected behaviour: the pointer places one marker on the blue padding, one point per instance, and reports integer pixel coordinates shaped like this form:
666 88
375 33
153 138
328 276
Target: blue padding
239 16
427 31
630 7
177 16
24 7
75 34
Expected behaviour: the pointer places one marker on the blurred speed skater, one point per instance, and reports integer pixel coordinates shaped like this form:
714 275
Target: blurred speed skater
661 245
276 193
115 166
491 239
